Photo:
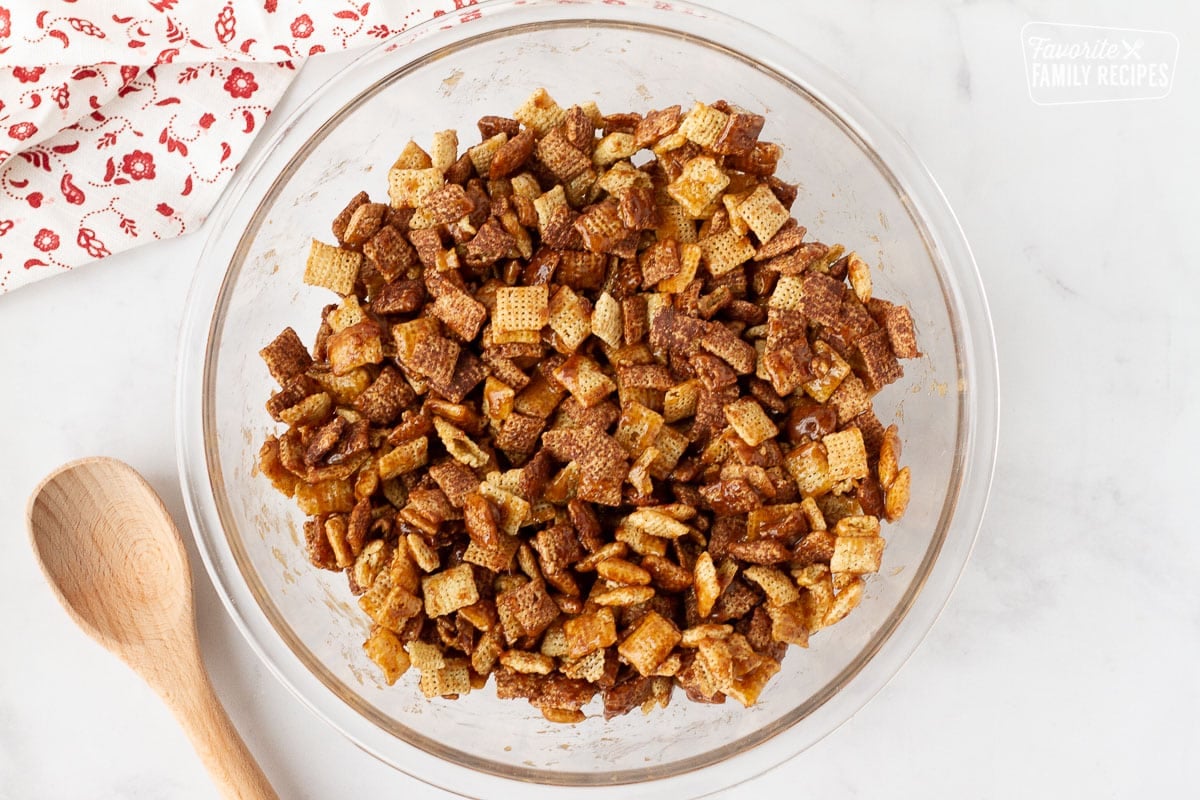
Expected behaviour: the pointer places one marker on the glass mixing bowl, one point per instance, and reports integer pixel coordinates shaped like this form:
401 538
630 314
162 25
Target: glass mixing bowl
860 185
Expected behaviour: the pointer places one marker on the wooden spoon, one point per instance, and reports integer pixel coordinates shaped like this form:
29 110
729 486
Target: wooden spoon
114 558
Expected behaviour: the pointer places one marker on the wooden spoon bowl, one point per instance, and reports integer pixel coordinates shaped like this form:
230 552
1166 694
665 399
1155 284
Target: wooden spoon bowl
114 557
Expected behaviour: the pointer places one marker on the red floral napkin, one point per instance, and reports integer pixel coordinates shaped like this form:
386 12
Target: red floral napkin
129 116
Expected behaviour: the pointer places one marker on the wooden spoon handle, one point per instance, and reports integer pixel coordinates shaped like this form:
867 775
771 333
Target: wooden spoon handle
225 756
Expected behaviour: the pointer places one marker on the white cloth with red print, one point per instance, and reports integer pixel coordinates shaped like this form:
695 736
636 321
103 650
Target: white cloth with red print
121 121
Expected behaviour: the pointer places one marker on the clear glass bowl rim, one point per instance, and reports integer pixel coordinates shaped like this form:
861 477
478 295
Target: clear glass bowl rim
978 397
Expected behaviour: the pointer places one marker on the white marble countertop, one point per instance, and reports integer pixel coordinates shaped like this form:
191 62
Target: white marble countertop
1066 664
